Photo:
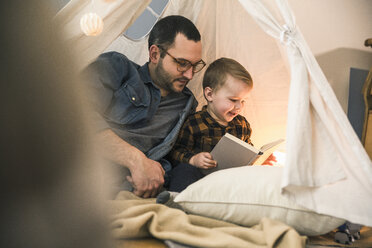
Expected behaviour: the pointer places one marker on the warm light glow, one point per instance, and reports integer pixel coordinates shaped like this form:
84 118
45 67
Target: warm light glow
91 24
280 158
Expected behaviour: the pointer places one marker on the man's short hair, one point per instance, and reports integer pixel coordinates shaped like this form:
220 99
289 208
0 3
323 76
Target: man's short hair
165 30
215 75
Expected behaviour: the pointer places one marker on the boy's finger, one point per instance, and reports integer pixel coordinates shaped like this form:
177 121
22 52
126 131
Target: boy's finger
208 155
211 164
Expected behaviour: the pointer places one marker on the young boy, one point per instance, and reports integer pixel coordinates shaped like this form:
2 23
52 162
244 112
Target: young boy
226 86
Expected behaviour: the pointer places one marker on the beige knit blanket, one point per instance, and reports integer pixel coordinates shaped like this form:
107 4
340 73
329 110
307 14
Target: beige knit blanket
134 217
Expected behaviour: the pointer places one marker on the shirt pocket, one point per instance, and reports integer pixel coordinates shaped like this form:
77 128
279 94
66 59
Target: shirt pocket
130 104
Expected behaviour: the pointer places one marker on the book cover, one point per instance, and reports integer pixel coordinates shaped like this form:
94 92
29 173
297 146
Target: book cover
231 152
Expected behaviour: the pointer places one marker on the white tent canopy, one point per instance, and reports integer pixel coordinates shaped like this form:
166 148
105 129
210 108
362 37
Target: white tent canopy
327 169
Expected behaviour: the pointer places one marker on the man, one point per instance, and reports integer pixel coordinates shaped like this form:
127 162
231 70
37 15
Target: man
140 109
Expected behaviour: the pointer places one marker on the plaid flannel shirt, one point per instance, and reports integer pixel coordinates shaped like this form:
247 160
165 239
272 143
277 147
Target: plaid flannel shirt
200 133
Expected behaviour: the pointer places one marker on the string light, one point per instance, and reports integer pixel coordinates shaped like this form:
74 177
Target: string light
91 24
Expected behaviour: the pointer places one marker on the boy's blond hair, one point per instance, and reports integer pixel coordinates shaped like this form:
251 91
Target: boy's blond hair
215 75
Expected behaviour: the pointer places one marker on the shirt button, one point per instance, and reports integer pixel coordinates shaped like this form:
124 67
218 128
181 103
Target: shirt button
133 98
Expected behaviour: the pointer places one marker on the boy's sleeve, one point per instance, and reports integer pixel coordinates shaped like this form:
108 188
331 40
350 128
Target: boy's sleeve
183 149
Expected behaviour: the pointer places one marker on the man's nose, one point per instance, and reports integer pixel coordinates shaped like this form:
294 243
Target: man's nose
189 73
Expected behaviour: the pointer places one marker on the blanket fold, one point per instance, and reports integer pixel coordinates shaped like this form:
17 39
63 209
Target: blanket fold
134 217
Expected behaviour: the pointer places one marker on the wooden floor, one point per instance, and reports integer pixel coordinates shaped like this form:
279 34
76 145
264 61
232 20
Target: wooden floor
140 243
322 241
327 240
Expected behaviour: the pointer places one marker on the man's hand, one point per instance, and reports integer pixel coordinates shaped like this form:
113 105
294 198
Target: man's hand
203 160
147 177
270 160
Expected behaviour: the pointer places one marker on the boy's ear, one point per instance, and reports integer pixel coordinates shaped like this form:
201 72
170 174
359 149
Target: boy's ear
208 91
154 53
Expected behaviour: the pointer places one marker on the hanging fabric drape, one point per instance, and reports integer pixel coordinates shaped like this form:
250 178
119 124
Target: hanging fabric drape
137 50
117 17
327 169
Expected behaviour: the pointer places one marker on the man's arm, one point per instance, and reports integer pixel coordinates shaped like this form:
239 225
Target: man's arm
147 176
103 78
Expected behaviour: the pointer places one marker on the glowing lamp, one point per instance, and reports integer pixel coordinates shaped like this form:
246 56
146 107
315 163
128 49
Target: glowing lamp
280 157
91 24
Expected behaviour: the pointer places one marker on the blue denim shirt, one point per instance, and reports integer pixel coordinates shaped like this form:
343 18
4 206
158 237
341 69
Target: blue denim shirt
124 94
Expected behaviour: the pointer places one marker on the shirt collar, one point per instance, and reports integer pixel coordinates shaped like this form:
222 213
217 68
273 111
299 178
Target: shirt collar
145 74
211 121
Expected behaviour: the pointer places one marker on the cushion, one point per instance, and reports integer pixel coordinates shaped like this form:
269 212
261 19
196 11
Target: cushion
246 194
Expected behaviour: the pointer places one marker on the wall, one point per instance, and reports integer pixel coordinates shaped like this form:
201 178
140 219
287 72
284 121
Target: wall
335 30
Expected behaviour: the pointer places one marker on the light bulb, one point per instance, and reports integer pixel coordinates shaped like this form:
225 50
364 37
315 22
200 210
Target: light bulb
91 24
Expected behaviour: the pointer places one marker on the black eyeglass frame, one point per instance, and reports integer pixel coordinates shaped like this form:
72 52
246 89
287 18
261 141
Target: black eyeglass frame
183 68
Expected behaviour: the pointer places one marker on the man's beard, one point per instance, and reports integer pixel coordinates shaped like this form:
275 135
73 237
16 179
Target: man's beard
164 79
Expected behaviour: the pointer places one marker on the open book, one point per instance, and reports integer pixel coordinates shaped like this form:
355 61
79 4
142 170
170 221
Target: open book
231 151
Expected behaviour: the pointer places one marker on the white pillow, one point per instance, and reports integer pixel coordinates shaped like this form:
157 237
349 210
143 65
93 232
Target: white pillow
246 194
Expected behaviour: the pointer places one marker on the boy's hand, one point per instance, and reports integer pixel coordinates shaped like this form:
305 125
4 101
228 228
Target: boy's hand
203 160
270 160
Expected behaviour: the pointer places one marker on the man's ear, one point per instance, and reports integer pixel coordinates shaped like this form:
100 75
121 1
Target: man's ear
154 53
208 92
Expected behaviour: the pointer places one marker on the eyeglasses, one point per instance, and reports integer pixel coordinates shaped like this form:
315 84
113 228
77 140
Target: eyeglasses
184 65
